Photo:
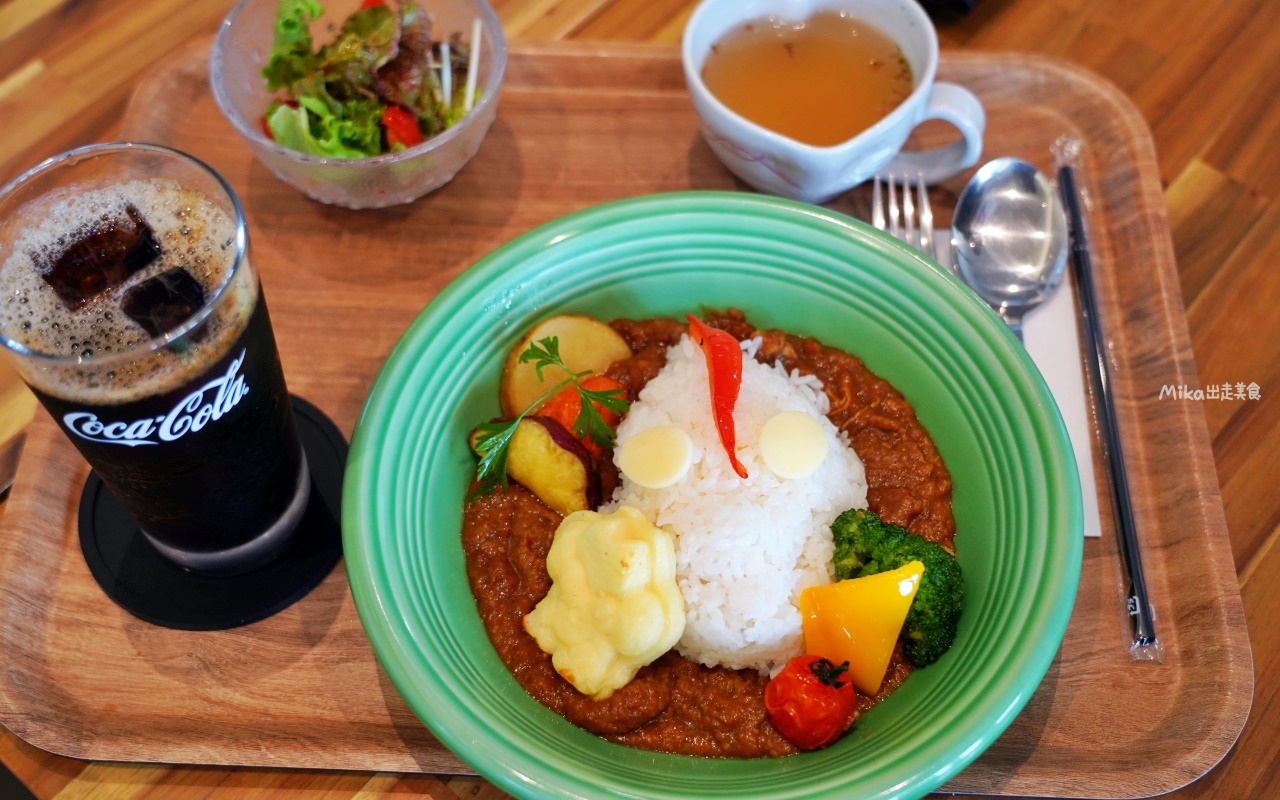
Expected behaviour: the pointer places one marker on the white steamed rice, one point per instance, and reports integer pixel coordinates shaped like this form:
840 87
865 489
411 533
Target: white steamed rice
744 548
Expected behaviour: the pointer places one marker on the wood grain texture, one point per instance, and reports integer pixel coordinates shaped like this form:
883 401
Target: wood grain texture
1202 76
581 126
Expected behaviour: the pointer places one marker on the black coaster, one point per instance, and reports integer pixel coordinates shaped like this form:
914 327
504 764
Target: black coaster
151 587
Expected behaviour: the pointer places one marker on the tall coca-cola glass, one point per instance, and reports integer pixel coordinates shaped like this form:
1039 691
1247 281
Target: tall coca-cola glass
134 313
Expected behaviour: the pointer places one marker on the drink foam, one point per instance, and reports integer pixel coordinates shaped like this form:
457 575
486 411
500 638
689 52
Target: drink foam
97 353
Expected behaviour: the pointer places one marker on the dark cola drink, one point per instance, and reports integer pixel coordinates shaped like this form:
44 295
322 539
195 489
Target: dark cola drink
135 316
204 466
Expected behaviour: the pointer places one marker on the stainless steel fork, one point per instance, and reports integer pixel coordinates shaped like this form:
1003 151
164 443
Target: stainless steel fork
912 221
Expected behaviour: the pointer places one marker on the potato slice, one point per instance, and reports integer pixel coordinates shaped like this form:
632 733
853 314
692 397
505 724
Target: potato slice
585 343
550 462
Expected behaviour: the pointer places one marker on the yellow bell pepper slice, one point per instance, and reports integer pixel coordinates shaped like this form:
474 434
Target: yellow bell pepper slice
858 620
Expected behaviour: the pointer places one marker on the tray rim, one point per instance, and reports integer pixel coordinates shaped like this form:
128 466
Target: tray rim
1153 221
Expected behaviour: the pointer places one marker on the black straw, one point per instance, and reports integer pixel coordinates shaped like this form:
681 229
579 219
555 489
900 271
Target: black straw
1139 608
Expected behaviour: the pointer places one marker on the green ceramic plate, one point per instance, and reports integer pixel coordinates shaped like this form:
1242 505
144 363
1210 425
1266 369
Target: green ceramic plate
788 265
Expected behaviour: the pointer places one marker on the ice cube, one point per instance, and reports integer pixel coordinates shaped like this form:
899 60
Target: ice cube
103 258
162 303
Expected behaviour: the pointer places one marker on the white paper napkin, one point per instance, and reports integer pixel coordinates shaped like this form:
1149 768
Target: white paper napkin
1050 333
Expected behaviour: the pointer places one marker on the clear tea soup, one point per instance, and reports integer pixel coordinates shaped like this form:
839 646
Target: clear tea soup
821 81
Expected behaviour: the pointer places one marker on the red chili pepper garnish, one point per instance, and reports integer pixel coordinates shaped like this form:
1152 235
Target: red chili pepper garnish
372 3
811 701
724 368
401 127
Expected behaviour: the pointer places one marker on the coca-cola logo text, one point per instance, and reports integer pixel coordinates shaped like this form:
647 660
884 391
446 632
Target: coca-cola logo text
206 404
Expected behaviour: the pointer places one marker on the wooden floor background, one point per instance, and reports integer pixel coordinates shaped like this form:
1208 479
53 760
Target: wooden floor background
1205 75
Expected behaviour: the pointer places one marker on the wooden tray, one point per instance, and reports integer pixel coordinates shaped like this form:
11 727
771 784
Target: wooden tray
577 126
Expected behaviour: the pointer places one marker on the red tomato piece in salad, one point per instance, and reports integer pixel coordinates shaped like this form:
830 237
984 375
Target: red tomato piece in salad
401 128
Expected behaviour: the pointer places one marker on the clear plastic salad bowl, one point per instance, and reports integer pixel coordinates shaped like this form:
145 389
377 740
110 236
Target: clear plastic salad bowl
242 47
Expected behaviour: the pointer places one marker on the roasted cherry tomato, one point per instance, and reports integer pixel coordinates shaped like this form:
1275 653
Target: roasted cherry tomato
811 701
401 127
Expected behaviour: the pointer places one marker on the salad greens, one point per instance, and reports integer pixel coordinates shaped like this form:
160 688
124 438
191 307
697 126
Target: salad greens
377 87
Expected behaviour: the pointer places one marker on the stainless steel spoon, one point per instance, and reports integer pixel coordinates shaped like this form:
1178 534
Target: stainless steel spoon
1011 238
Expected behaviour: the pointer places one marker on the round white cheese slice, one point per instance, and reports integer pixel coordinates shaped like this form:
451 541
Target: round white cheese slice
656 458
792 445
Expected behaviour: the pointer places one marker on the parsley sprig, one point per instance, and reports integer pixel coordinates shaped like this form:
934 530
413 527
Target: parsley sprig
493 439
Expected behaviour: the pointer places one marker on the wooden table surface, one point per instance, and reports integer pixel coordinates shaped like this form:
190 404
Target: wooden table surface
1203 75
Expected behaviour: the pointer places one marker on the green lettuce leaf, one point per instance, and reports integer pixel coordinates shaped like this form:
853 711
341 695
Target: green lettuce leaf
368 39
291 58
314 128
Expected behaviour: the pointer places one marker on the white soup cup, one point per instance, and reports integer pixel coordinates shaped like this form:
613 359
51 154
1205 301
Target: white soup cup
781 165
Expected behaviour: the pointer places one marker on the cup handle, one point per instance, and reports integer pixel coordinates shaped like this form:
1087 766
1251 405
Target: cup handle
959 106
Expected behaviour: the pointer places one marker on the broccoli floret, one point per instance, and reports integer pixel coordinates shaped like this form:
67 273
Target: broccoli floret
866 545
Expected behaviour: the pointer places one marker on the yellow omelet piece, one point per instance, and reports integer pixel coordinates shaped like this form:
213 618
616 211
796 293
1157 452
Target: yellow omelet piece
858 620
614 605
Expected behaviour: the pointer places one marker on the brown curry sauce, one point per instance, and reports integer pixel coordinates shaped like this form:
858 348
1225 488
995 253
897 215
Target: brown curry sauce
675 705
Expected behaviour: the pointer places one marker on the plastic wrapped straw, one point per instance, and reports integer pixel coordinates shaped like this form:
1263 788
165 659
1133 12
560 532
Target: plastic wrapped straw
1144 645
